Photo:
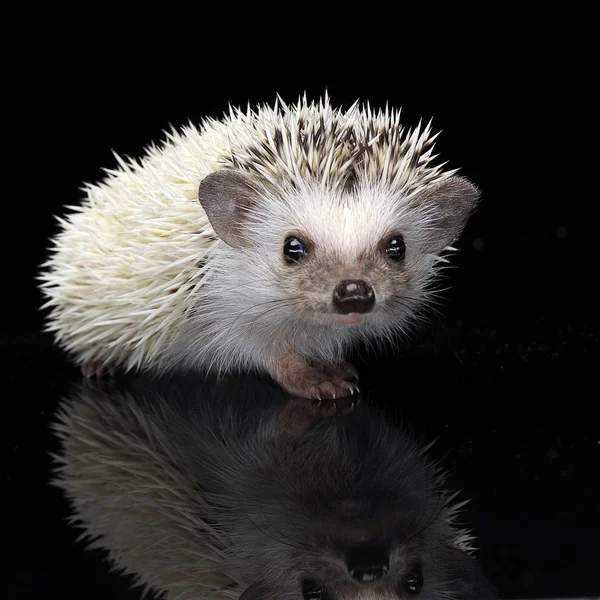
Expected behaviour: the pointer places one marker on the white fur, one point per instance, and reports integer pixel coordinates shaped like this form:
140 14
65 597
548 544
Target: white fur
123 282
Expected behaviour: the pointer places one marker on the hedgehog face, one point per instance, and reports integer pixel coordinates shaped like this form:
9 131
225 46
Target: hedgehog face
345 258
346 264
341 256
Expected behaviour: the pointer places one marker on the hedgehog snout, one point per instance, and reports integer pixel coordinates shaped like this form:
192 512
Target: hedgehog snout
369 563
353 296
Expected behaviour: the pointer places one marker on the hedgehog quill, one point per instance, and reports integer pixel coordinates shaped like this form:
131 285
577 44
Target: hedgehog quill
271 240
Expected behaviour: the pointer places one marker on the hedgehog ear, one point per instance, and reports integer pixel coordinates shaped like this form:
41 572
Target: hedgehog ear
450 203
226 196
256 591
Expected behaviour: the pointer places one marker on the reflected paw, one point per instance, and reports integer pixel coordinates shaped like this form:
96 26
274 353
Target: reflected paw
335 407
97 370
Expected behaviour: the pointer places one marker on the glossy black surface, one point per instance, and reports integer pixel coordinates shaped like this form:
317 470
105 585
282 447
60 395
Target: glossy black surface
506 378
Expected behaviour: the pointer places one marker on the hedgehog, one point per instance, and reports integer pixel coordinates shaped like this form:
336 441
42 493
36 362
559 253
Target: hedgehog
275 240
236 490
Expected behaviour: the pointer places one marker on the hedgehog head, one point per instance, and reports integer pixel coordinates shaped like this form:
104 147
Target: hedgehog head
334 224
342 255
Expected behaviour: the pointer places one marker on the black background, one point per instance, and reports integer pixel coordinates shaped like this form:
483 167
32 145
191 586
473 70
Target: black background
506 378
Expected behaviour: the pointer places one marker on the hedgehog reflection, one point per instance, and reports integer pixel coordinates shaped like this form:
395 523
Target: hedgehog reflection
235 490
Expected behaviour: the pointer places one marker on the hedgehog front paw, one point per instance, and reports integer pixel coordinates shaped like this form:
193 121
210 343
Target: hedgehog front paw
330 389
344 371
324 383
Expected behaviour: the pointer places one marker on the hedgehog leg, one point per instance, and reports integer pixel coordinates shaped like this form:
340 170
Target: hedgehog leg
300 379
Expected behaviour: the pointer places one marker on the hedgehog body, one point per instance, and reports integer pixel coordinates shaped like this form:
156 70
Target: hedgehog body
263 240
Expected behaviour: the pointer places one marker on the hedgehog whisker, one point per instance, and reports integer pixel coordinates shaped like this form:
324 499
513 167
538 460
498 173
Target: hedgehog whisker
399 301
291 543
425 521
289 304
276 302
268 327
275 539
420 308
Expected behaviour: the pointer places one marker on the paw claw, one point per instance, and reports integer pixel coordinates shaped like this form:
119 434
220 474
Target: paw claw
320 382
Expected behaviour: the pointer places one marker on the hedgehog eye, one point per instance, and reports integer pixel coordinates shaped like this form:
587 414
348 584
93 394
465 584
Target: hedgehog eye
311 590
413 582
395 247
294 249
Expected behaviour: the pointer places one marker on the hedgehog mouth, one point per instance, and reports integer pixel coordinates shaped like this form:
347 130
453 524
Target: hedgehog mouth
343 319
348 319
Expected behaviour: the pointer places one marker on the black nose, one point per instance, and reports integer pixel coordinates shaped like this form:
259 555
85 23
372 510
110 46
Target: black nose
353 296
368 563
